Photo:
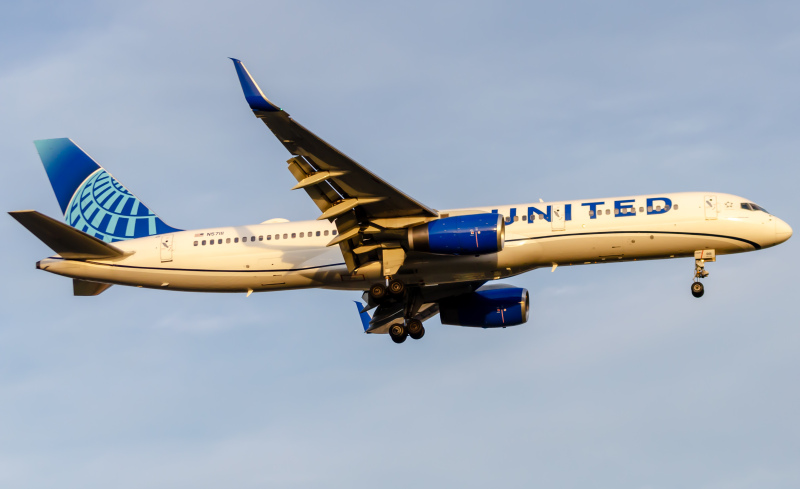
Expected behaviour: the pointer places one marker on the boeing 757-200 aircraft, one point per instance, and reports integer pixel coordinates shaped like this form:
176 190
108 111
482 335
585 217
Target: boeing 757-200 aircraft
411 261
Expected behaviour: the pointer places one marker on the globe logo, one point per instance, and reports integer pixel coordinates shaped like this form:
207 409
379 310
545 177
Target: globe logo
103 208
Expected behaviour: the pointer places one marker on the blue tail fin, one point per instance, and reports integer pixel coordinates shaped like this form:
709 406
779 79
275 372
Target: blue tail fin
91 199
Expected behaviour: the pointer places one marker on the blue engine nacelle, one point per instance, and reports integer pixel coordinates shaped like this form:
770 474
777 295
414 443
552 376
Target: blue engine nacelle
475 234
487 307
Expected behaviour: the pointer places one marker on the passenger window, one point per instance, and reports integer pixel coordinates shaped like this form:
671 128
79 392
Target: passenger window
326 232
516 218
524 218
285 236
261 238
219 241
591 213
269 237
252 238
204 242
236 240
334 232
227 240
608 211
211 242
294 235
277 236
658 208
675 207
641 209
301 235
666 207
317 233
310 233
195 243
616 212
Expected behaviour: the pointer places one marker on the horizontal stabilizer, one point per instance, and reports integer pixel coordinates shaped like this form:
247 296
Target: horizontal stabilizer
86 288
65 240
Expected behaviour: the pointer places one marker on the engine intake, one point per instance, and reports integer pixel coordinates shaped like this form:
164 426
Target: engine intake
474 234
487 307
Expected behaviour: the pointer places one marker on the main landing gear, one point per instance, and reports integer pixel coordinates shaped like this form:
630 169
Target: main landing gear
700 259
394 291
378 292
413 328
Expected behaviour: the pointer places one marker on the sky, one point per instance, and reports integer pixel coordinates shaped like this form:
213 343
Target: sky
620 378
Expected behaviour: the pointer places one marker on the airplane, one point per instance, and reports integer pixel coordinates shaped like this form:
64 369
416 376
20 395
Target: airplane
411 262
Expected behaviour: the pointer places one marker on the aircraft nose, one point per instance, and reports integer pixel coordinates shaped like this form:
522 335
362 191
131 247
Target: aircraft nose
782 230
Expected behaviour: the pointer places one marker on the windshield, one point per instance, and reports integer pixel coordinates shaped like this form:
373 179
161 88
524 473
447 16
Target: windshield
753 207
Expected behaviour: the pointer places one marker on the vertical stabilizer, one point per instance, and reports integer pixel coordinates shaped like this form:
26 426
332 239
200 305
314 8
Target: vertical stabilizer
91 199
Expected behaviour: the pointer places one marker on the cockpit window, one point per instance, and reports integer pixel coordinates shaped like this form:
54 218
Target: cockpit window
753 207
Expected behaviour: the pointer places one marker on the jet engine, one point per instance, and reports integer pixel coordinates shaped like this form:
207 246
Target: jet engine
474 234
488 307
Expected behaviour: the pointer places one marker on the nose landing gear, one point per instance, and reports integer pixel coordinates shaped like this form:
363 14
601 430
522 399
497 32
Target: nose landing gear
700 259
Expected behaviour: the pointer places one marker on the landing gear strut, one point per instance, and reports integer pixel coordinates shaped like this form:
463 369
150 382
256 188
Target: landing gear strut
700 259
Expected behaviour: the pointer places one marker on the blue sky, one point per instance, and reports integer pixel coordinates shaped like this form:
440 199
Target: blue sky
620 379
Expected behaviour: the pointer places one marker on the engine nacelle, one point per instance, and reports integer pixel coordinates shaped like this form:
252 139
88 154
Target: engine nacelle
489 307
474 234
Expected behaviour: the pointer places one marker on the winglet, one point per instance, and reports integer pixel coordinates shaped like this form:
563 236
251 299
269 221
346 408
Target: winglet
364 316
252 93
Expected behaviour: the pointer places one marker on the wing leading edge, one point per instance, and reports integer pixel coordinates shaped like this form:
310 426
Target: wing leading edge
361 204
318 165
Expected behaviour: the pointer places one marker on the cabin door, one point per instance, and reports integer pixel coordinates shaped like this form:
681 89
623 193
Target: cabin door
557 217
710 205
166 247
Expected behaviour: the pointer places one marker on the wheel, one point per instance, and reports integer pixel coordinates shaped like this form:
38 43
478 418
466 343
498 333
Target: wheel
398 333
396 287
419 334
414 326
377 292
697 289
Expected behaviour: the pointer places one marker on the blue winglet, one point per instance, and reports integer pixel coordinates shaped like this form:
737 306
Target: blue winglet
364 315
254 96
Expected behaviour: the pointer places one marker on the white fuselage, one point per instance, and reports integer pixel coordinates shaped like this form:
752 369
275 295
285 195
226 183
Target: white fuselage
291 255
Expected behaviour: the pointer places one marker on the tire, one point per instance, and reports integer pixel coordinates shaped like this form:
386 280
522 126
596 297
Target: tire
377 292
414 326
419 334
396 287
398 333
697 289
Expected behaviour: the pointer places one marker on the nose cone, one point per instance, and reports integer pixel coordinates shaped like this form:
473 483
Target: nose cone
782 231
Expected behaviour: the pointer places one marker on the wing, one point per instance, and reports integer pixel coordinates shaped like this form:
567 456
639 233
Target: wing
361 204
